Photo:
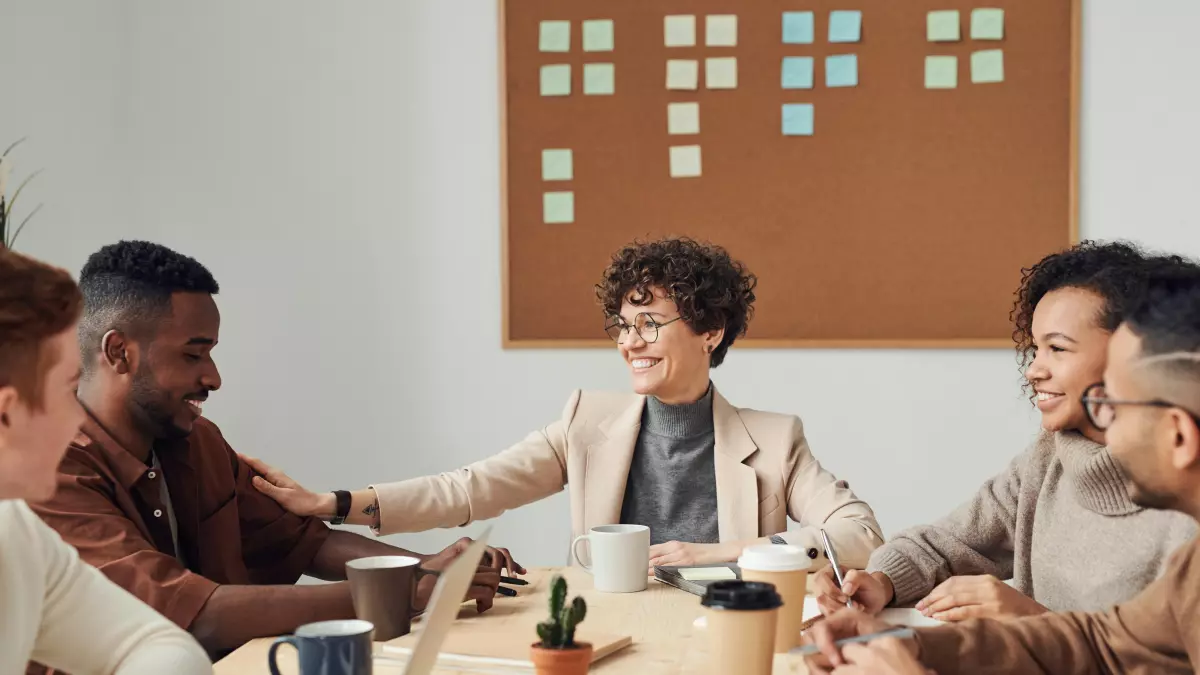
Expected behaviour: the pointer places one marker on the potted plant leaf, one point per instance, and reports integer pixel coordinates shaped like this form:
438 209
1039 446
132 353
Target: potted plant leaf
557 653
9 229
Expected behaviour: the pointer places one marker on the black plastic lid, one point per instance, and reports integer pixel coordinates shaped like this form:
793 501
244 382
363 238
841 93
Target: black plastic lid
741 595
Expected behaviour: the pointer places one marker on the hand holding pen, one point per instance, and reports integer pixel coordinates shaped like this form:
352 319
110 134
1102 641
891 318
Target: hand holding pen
508 592
833 562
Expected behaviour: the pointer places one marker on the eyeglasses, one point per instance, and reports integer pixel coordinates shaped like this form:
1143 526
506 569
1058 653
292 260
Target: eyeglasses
645 325
1101 410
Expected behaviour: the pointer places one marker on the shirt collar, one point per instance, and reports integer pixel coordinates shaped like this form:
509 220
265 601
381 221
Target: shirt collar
127 468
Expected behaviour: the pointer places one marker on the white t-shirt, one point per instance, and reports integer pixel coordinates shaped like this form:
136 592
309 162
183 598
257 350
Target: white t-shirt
57 610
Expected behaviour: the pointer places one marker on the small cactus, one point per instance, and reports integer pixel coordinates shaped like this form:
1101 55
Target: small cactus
559 631
558 595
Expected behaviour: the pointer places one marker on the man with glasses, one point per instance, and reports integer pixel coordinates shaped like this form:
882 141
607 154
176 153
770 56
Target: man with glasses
1149 406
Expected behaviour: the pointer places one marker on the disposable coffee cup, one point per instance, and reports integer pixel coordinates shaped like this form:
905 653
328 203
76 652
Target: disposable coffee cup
741 619
786 568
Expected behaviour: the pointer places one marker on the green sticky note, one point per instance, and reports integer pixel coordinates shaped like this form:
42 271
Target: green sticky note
558 207
679 30
556 80
557 164
942 26
683 118
987 66
598 35
683 74
941 72
685 161
707 573
720 72
599 79
841 70
845 26
987 24
720 30
555 36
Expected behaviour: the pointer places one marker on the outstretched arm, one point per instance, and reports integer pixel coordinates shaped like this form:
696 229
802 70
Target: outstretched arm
529 471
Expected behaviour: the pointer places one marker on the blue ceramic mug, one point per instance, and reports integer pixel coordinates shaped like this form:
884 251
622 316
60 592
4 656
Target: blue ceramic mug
329 648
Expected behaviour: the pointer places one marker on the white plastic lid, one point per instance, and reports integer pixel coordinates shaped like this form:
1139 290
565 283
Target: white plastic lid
774 558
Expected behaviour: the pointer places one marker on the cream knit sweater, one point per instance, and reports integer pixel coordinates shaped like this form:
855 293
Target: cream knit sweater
1058 522
63 613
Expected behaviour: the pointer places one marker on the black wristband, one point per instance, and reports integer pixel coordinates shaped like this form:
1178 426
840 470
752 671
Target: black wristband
343 506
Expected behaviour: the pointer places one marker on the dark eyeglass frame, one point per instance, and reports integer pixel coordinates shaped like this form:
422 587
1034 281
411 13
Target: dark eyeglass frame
620 323
1089 399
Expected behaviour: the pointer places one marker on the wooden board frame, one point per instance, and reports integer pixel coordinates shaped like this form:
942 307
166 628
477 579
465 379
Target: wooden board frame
1076 68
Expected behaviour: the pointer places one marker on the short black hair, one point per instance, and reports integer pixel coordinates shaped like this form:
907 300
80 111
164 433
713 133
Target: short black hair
1117 271
129 284
711 289
1167 318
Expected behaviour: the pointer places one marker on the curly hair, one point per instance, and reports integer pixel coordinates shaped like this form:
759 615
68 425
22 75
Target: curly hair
1116 271
711 289
128 286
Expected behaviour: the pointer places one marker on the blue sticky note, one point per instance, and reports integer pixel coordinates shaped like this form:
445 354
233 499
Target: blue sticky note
841 70
797 72
797 119
798 28
845 26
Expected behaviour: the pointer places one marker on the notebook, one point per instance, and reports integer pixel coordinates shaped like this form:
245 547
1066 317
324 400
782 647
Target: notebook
695 578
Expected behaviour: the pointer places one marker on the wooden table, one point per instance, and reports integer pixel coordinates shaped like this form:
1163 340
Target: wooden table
659 620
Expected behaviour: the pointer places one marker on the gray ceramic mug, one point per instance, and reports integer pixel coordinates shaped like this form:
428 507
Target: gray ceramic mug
384 590
329 648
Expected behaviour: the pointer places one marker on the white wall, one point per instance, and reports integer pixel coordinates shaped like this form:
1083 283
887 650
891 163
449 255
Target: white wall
336 166
64 83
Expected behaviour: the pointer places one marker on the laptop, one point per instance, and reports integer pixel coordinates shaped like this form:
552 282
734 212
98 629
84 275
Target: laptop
444 606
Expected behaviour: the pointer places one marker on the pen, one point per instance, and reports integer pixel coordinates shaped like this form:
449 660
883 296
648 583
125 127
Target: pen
513 582
506 591
898 632
837 570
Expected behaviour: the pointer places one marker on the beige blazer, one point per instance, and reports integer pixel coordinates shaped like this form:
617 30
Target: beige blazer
764 471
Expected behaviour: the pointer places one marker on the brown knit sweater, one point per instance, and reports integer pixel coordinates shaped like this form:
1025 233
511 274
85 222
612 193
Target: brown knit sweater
1058 522
1156 633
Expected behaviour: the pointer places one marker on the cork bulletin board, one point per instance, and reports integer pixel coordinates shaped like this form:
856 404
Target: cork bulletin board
885 168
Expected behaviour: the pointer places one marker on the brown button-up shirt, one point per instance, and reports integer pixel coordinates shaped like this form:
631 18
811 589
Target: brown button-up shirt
109 506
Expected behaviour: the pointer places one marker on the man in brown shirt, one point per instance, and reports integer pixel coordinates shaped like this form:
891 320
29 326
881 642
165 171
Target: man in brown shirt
1149 408
152 494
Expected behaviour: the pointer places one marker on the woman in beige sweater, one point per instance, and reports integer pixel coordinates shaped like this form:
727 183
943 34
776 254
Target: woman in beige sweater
54 609
1058 521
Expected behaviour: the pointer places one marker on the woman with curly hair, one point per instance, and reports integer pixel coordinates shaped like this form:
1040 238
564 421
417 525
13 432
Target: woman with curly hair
706 477
1058 521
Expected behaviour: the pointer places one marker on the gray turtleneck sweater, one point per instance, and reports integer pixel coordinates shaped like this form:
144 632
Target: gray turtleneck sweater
1058 522
672 486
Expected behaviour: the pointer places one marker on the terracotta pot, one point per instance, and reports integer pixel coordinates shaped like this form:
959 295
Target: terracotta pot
574 661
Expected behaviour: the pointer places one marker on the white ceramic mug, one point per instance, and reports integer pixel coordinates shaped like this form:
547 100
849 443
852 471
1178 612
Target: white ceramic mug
620 557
